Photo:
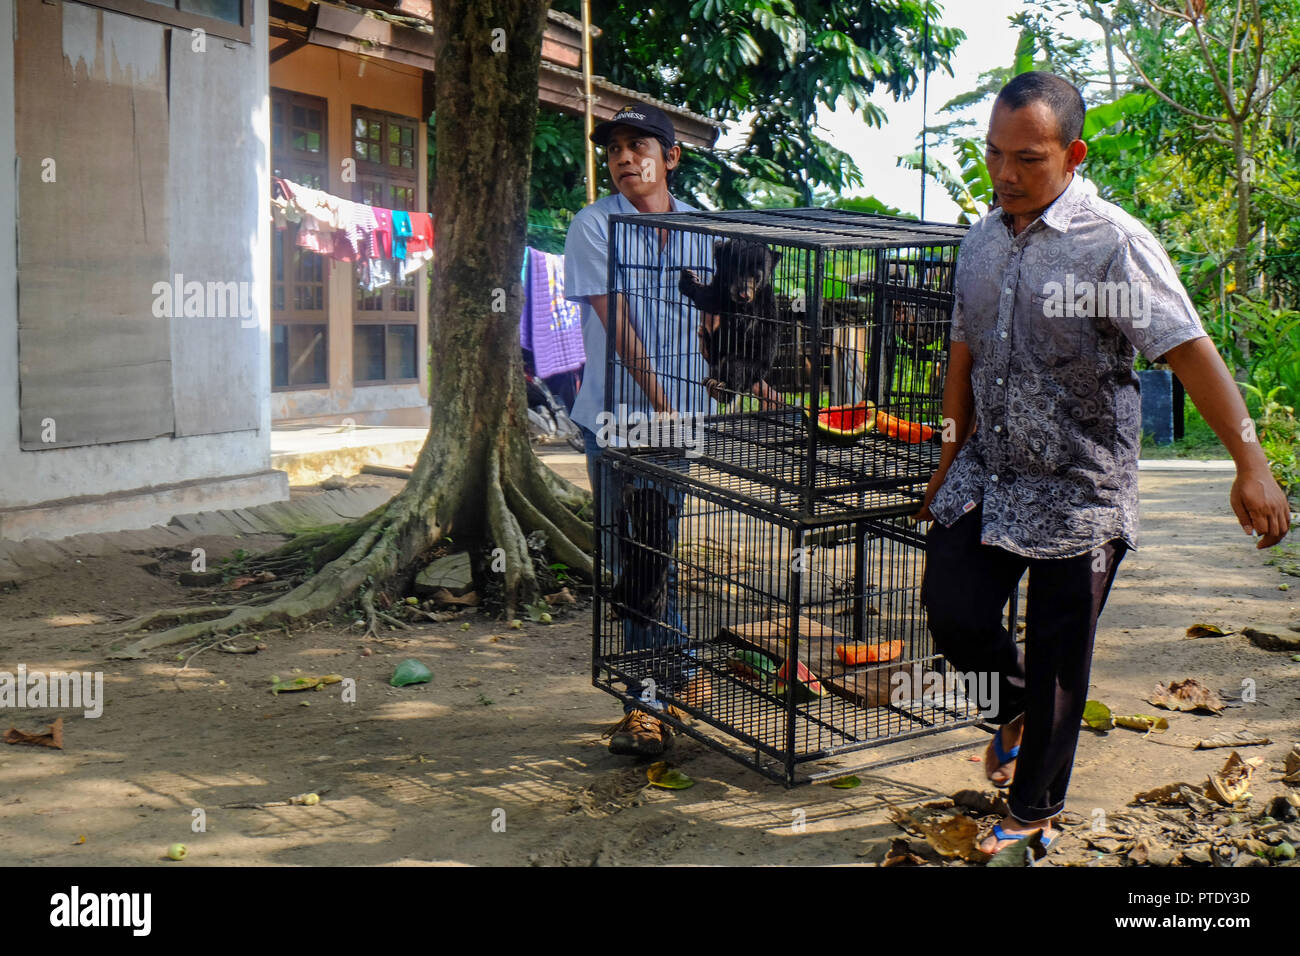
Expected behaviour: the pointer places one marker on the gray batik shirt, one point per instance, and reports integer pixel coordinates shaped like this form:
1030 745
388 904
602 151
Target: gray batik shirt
1052 318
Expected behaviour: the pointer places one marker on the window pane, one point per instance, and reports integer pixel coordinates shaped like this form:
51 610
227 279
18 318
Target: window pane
228 10
408 136
297 355
368 353
313 142
401 351
359 128
394 134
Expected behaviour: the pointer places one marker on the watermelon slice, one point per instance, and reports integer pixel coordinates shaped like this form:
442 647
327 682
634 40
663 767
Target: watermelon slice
751 665
845 424
806 685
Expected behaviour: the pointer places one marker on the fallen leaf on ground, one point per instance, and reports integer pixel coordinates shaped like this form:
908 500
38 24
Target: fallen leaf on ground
1271 642
1232 738
1207 630
1150 852
52 738
304 683
1143 722
669 778
1232 782
562 596
1189 694
900 854
1097 715
846 783
1170 795
955 836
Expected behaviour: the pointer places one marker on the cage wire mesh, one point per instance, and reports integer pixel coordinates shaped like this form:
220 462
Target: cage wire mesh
774 382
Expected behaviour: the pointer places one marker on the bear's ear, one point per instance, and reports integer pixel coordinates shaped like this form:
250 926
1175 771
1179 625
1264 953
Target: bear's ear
717 248
776 257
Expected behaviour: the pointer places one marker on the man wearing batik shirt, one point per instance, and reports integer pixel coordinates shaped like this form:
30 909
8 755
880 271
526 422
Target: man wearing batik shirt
1055 290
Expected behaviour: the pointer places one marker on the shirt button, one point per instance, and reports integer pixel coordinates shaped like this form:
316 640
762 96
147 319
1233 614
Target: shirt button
997 428
993 477
999 381
1004 335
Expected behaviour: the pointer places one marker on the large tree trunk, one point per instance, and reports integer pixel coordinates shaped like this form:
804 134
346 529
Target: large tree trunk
476 478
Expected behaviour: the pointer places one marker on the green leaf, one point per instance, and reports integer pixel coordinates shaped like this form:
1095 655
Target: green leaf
1097 715
846 783
669 778
1024 61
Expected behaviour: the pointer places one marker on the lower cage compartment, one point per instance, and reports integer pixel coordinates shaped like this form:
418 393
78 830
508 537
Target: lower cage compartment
704 601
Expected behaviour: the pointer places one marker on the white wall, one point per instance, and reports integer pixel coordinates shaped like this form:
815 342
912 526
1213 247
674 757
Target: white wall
31 477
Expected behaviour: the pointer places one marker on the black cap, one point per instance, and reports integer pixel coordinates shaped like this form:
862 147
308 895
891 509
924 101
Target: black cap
641 116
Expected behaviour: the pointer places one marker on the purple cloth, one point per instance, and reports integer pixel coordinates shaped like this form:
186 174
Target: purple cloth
550 326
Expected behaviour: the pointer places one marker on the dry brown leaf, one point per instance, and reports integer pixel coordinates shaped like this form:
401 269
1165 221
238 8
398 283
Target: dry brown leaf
1292 762
562 596
1232 738
52 738
1170 795
1189 694
955 836
900 854
1232 782
1207 630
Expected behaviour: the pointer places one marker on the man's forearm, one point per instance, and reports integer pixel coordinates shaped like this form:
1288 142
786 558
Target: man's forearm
1216 396
630 349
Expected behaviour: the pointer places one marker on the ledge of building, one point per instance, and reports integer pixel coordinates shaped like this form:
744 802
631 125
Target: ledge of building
311 453
141 507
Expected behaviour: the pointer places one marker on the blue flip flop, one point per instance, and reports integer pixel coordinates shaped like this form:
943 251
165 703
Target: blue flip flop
1004 757
1002 834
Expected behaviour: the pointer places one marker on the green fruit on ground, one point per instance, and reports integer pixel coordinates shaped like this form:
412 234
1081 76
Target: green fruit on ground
177 851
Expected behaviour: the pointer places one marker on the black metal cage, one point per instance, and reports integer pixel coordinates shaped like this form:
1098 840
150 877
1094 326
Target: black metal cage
774 390
803 352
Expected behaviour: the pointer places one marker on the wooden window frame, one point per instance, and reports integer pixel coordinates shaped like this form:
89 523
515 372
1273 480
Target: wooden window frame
144 10
285 162
387 177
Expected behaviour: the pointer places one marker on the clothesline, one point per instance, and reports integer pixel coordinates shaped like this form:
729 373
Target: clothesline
388 243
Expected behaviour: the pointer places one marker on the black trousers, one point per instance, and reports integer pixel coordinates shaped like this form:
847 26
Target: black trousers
964 590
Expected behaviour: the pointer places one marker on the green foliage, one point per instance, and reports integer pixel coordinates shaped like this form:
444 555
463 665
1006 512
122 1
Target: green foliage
777 60
1278 433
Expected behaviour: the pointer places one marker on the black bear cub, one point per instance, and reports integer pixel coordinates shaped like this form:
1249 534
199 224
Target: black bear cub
642 589
741 349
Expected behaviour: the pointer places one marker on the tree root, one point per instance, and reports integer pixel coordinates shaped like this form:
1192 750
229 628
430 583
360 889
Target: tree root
355 560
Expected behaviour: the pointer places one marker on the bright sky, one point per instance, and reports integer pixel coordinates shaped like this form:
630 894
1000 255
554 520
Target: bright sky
990 42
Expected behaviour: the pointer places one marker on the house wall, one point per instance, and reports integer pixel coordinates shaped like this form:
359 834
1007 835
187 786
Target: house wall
343 81
213 201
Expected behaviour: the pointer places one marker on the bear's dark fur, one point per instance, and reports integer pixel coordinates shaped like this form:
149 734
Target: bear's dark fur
742 348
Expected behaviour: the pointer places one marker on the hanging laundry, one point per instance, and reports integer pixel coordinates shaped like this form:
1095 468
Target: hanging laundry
419 248
552 329
401 232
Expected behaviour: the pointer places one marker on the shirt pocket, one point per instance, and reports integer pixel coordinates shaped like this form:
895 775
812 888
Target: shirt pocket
1054 337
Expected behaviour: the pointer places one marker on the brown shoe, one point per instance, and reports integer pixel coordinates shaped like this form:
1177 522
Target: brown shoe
639 734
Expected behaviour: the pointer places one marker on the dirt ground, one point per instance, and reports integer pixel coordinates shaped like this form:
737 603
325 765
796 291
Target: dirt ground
499 761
